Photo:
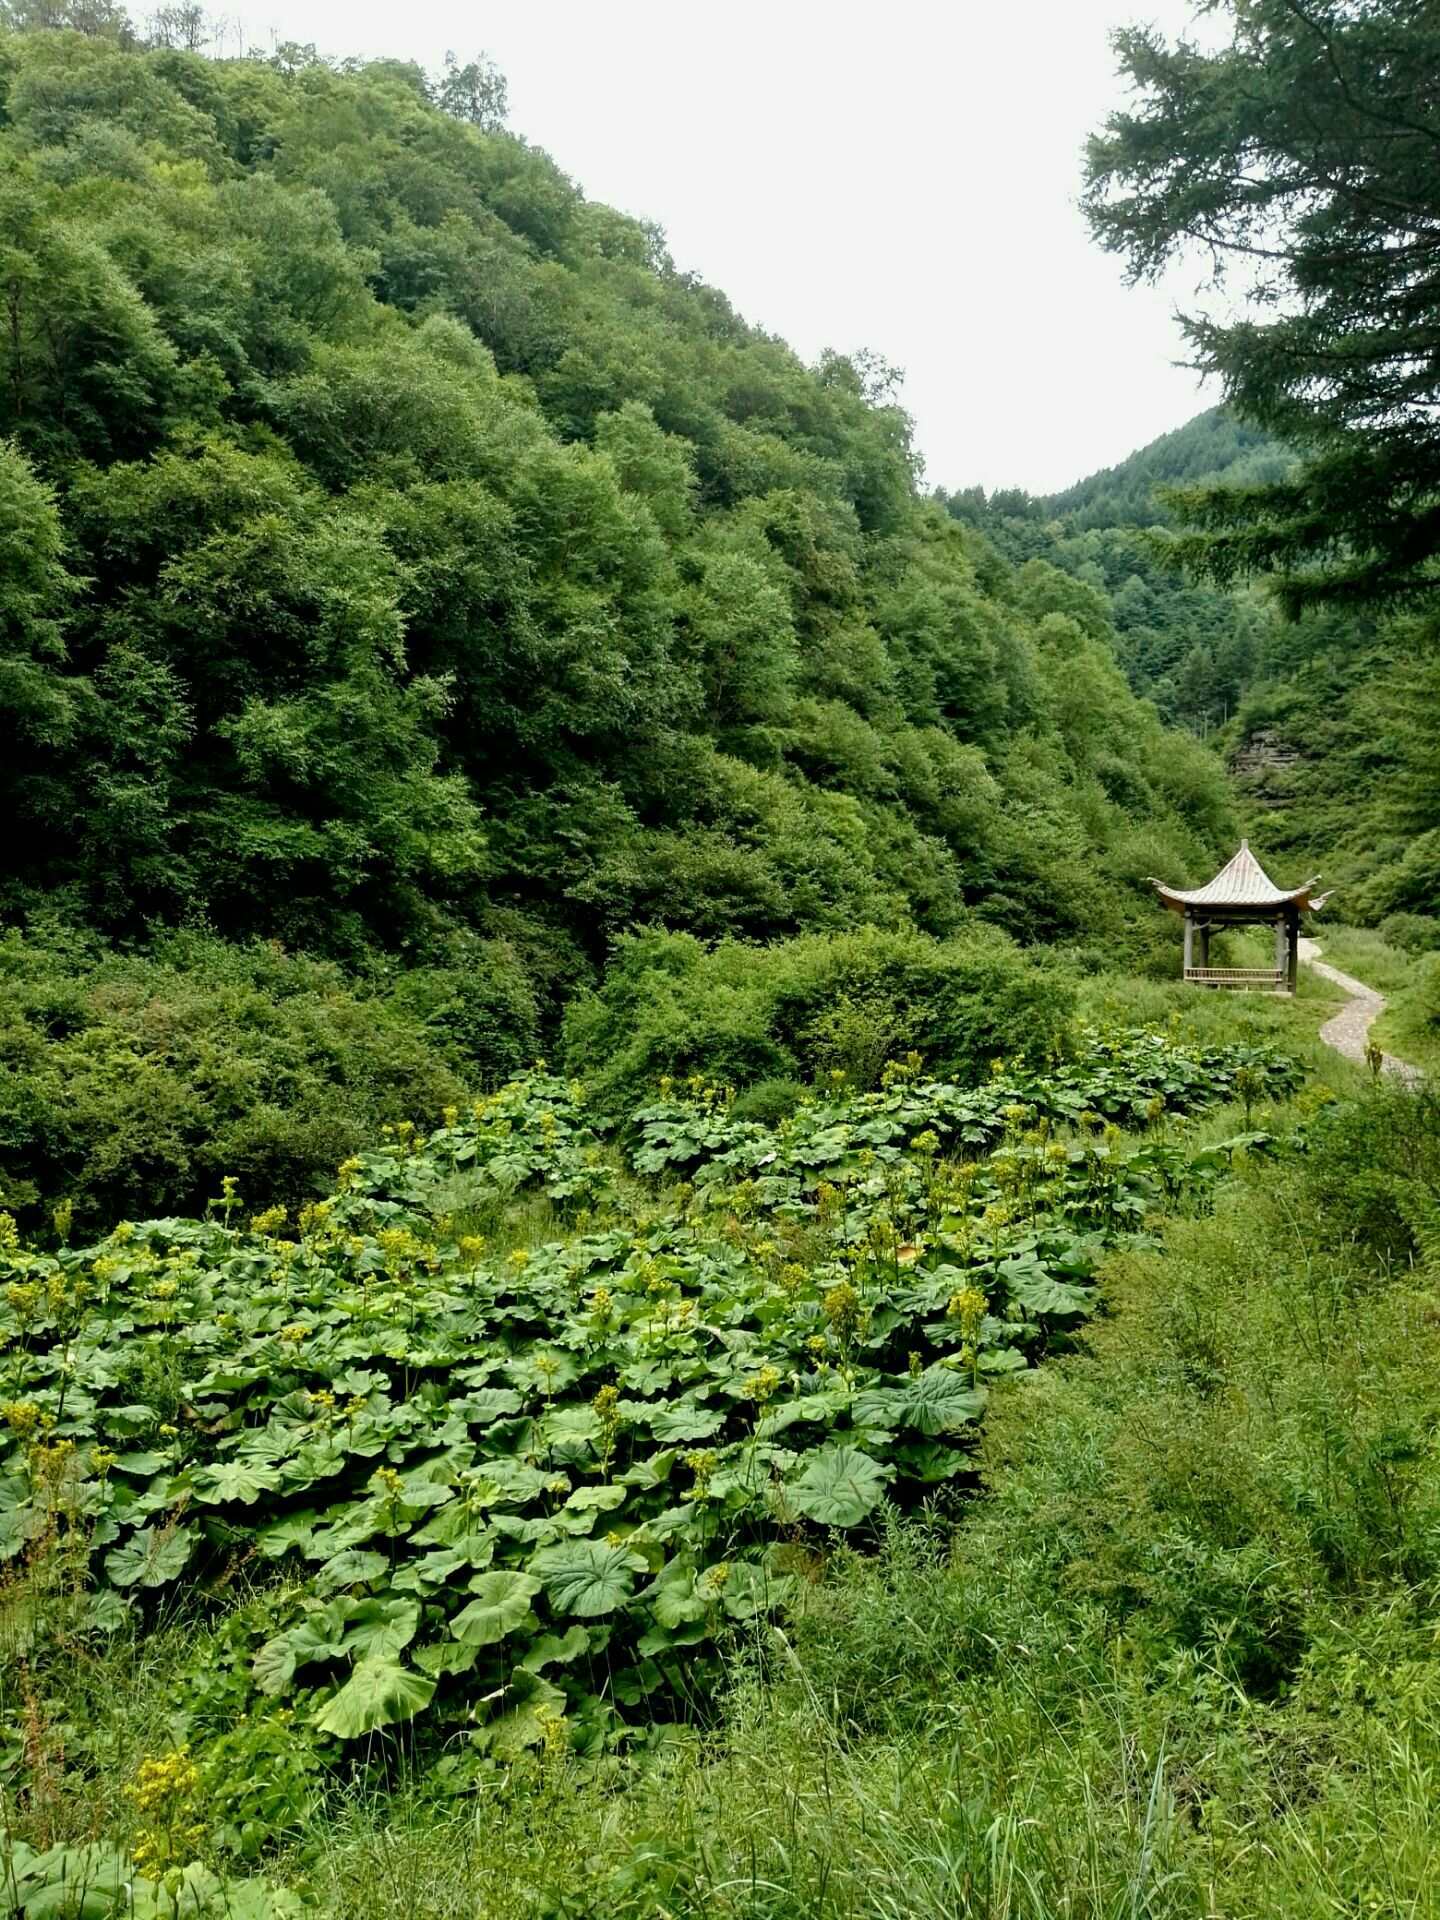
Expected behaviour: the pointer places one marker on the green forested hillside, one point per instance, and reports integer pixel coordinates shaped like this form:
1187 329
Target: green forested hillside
405 566
906 1408
1191 647
1215 445
1321 717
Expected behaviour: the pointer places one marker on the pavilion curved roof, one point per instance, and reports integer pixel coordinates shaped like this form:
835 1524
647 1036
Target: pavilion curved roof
1242 885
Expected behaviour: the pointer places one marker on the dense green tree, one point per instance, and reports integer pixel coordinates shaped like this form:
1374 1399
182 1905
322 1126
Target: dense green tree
1302 160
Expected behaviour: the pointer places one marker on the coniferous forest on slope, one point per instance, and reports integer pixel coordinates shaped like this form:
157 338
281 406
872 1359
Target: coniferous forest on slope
632 1287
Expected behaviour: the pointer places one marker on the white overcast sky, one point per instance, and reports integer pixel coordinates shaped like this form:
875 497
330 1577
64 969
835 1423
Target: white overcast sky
902 178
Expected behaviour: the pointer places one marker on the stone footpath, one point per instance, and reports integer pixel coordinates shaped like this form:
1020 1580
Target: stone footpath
1349 1030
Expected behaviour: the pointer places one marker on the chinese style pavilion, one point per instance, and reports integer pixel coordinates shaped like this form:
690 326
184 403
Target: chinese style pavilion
1242 894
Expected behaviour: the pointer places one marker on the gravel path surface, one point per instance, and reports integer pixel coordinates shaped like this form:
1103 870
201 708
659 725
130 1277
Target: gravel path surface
1349 1029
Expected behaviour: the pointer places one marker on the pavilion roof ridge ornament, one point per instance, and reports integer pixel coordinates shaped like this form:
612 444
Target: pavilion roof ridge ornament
1241 887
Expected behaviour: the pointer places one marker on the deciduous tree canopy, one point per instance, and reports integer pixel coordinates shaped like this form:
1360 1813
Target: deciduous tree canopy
401 549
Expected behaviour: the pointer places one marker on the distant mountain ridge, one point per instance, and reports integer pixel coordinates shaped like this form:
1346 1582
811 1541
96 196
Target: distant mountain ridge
1212 446
1190 647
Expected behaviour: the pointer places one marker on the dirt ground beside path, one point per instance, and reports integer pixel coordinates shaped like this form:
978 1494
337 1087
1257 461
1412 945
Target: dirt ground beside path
1349 1030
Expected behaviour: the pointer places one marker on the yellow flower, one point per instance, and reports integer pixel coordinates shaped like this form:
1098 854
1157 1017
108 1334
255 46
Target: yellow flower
702 1464
842 1310
969 1307
762 1386
314 1215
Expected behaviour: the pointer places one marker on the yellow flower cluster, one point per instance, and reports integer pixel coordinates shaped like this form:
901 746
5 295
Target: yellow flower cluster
762 1386
842 1310
162 1793
969 1307
702 1463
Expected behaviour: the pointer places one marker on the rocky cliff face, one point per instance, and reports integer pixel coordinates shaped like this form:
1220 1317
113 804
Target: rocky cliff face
1263 765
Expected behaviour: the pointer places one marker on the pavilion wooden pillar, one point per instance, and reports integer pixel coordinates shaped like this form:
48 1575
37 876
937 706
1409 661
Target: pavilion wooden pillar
1282 951
1189 944
1292 963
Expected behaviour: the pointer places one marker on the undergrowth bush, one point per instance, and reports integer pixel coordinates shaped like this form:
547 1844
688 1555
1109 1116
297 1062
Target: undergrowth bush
841 1003
132 1082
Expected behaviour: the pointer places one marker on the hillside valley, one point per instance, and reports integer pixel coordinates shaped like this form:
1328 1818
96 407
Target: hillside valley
632 1285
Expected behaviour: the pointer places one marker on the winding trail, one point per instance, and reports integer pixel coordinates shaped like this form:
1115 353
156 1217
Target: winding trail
1348 1031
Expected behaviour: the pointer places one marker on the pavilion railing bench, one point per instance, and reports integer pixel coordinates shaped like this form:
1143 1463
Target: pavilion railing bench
1272 977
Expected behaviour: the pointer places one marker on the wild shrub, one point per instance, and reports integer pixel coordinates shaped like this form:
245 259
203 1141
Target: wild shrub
133 1081
1376 1170
824 1003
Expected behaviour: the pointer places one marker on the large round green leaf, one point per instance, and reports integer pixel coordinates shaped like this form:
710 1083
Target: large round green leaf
941 1400
379 1693
150 1557
838 1486
587 1576
501 1603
